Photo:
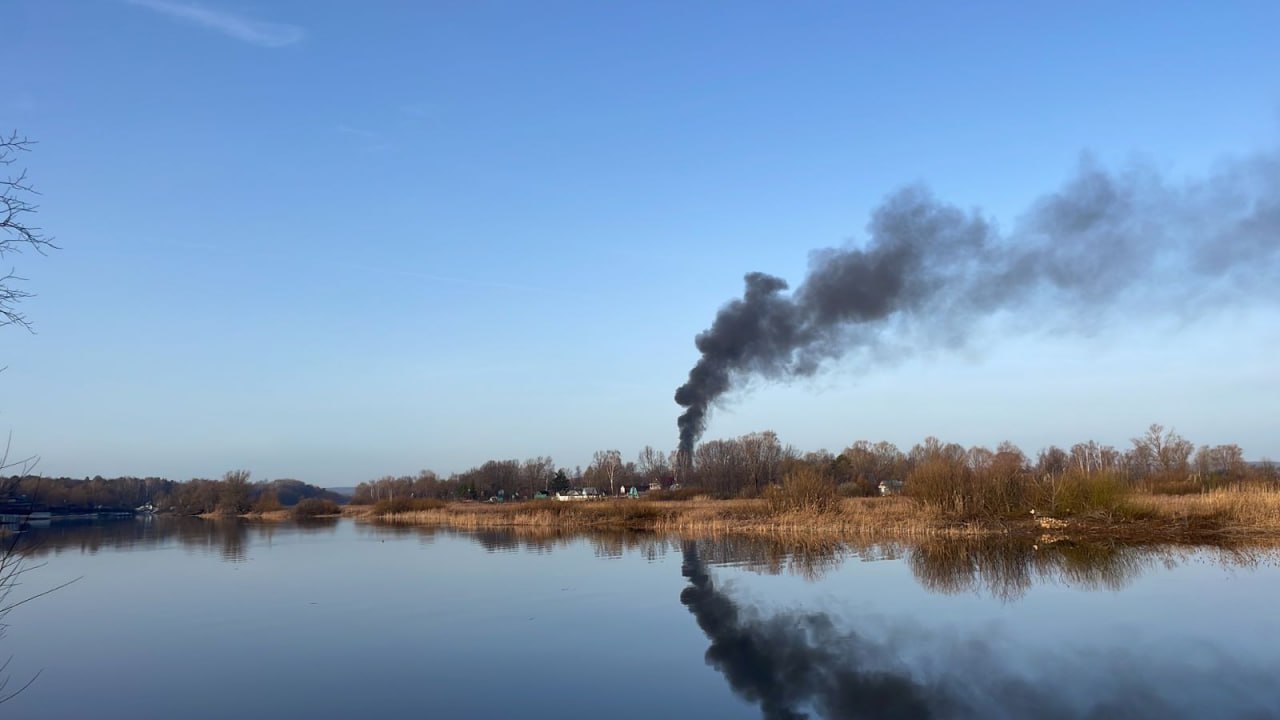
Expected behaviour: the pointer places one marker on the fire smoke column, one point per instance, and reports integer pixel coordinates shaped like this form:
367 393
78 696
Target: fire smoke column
928 271
747 333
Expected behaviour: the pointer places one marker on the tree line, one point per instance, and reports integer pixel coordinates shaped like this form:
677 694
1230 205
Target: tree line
234 493
1160 460
523 479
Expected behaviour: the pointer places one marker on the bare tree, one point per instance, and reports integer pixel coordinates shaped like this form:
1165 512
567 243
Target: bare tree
234 493
606 464
536 474
762 456
1166 453
719 466
16 232
13 566
652 464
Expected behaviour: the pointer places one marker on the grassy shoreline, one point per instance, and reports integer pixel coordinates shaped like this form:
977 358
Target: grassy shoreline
1224 515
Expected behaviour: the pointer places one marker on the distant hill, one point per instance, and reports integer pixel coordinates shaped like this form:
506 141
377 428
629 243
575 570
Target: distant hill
289 492
346 492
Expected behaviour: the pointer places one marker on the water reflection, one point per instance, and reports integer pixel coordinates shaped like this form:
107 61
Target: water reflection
786 663
606 545
1004 568
229 539
849 662
792 664
1007 568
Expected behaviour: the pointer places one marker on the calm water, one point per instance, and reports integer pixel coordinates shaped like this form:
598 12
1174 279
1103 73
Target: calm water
201 619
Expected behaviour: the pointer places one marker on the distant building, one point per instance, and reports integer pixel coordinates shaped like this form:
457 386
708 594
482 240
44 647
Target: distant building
579 494
890 487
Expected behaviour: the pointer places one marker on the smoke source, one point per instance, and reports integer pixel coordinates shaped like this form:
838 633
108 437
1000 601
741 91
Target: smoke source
929 270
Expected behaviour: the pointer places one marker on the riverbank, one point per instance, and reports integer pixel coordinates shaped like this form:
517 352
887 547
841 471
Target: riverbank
1224 515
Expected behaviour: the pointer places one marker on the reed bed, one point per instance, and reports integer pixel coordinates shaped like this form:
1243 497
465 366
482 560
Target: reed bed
1212 516
1246 510
852 517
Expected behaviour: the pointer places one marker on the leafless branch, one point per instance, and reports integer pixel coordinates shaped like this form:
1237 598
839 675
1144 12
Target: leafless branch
13 567
16 232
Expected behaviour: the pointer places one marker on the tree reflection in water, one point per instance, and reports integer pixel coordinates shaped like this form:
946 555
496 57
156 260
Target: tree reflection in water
229 539
794 663
1005 568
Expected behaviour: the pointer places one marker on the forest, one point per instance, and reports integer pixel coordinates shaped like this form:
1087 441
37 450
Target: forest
233 494
1158 461
967 482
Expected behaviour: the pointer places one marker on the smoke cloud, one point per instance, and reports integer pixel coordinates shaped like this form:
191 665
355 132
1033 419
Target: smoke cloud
795 664
929 271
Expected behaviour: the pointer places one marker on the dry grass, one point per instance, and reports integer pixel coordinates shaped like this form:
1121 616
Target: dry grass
803 491
855 517
1215 516
1236 511
268 515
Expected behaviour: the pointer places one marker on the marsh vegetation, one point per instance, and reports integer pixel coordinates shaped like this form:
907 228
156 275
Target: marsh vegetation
1161 488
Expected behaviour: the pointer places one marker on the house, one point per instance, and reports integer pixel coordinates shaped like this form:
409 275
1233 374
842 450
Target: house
890 487
579 494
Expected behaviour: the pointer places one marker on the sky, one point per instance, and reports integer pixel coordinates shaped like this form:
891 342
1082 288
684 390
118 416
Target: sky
334 241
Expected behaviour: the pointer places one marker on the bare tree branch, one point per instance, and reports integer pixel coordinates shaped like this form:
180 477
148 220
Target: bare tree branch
16 232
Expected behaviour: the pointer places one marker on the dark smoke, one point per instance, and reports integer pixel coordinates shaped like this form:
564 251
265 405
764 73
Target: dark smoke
795 664
782 664
929 270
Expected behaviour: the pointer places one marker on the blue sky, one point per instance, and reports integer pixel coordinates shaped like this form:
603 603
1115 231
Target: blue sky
337 240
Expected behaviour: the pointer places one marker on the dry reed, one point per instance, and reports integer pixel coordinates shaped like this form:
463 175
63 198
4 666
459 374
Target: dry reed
1216 515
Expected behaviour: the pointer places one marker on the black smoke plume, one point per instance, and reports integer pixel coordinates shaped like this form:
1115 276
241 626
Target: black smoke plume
929 270
782 665
794 664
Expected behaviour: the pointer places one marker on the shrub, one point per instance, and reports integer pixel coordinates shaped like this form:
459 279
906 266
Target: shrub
949 483
315 507
857 488
1078 493
394 506
804 489
945 483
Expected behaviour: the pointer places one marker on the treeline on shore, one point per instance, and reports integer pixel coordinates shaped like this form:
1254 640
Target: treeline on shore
974 481
233 494
959 482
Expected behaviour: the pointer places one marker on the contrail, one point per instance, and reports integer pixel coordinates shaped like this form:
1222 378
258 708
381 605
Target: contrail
929 270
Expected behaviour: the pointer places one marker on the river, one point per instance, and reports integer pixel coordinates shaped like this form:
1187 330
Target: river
183 618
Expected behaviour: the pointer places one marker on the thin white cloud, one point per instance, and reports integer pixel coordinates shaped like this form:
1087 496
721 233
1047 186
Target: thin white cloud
254 32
